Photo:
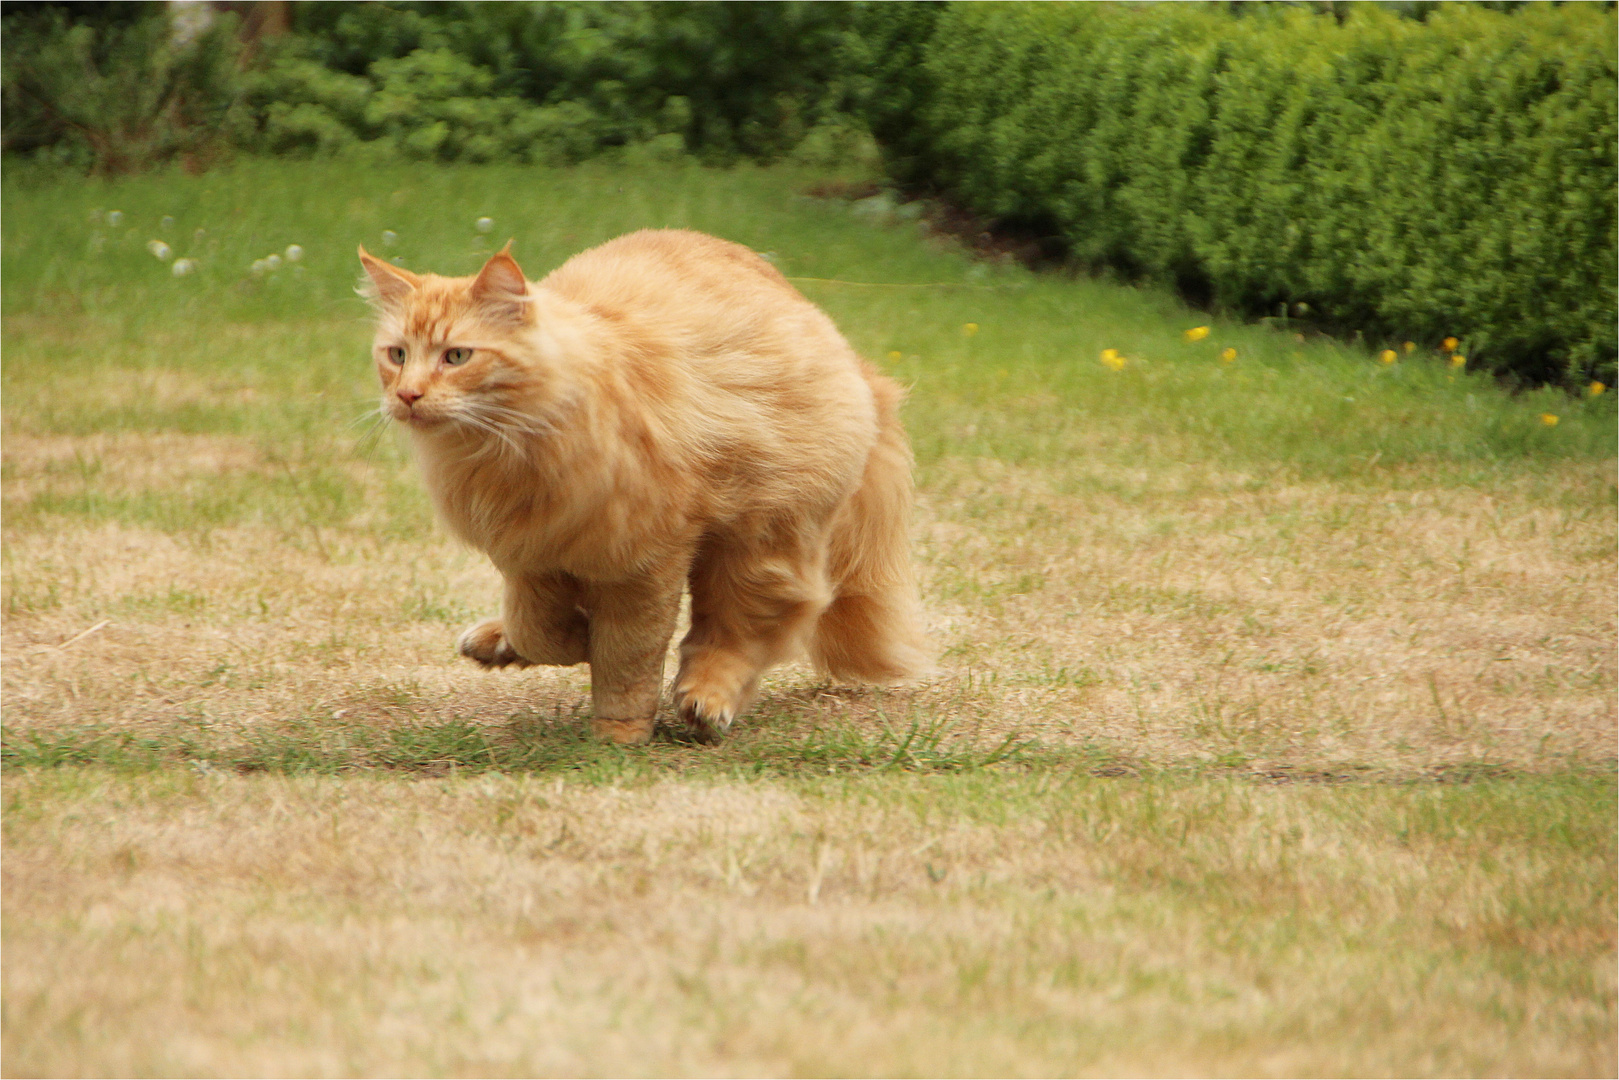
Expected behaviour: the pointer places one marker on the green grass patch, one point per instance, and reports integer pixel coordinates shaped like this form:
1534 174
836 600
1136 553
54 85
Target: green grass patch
283 352
560 745
533 744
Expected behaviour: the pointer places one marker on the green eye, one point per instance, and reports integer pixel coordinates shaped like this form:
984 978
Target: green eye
396 353
457 356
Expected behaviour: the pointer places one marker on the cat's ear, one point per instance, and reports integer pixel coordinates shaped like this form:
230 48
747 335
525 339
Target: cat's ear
502 288
390 285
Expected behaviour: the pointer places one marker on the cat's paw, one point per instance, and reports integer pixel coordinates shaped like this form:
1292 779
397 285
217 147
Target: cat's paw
486 644
707 717
622 732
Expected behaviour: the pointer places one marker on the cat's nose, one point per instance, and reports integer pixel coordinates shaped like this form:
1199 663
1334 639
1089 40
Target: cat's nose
408 396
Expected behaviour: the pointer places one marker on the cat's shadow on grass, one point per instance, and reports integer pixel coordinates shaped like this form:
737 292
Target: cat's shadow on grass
778 714
783 713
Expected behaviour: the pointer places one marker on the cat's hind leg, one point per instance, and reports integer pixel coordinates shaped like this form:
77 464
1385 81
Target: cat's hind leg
541 622
749 609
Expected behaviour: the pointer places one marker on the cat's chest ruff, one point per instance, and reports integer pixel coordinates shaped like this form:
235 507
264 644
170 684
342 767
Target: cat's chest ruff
491 504
528 518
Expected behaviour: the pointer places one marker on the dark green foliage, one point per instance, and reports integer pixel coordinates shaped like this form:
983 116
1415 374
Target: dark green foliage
1408 179
302 106
559 81
117 89
526 82
893 40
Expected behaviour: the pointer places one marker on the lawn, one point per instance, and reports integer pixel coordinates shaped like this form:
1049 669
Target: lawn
1273 733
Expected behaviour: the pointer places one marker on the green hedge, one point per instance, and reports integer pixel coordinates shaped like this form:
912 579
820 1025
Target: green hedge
94 84
1409 179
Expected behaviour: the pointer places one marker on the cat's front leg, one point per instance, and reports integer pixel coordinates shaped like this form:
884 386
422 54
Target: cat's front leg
540 623
630 626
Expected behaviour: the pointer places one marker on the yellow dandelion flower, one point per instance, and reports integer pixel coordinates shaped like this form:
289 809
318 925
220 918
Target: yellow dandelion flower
1549 419
1449 344
1409 347
1197 333
969 328
1112 359
1458 360
1387 356
895 354
1596 388
1228 355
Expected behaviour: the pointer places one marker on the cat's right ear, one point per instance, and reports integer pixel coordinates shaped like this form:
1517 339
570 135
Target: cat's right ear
389 285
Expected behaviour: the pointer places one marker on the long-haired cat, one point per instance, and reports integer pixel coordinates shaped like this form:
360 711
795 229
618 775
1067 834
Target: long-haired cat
662 412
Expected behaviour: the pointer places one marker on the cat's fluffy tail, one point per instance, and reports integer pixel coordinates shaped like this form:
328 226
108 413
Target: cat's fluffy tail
871 632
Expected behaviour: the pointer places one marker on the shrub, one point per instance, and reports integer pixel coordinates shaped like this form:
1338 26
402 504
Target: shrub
726 79
462 81
121 93
303 106
1405 178
892 40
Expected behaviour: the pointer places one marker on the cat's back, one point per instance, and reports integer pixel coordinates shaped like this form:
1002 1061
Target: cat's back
639 266
700 296
722 344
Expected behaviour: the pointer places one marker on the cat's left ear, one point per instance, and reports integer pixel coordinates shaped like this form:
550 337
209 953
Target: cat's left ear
502 288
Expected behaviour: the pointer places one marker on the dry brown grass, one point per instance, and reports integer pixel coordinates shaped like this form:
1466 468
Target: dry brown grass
222 925
197 922
1173 616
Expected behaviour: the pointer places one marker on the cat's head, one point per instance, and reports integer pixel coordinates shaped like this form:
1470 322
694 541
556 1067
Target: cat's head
452 351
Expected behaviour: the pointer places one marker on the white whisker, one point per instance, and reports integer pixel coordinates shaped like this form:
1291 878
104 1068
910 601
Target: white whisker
513 418
471 419
375 414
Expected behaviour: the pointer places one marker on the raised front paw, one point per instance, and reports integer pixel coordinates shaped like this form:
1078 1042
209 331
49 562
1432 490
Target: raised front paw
707 716
486 643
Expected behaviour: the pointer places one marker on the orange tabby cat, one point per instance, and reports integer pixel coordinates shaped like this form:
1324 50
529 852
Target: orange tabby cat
663 412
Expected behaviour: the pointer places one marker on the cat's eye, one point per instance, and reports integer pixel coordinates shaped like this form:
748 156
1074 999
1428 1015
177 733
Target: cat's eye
457 356
396 353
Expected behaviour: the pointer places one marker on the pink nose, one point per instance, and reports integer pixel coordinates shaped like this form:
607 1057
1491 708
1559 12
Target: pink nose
409 397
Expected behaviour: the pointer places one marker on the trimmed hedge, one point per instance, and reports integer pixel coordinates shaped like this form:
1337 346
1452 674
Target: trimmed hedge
1409 179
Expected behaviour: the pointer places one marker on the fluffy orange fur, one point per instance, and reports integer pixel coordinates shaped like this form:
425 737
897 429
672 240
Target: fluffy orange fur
662 412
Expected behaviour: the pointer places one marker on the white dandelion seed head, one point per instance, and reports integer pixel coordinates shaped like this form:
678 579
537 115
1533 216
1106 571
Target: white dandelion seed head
159 248
389 238
272 262
115 218
258 267
484 224
294 252
182 267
